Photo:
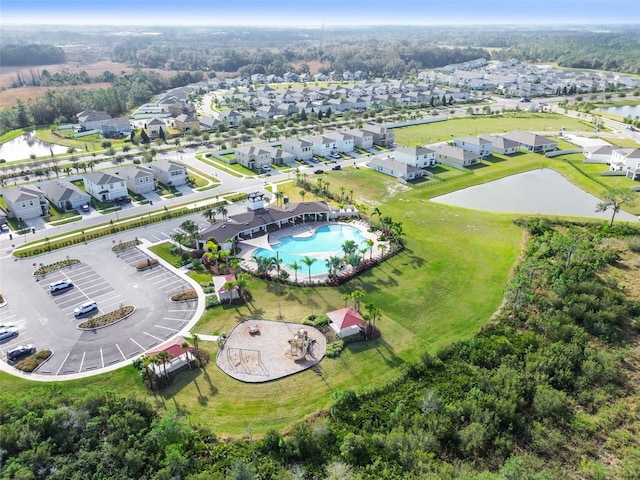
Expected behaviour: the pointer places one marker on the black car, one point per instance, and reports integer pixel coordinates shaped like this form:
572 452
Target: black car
319 172
19 352
336 167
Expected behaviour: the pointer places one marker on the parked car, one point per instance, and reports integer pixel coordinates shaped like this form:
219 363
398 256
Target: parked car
85 308
7 332
318 172
19 352
60 286
265 168
85 208
336 167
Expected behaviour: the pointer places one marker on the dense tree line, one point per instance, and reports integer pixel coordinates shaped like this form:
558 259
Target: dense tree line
31 54
126 92
524 398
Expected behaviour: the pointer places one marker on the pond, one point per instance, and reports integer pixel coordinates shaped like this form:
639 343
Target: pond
542 191
632 111
22 147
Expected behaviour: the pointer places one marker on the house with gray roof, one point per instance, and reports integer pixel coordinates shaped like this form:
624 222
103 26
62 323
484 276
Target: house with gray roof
92 119
395 168
300 148
139 179
104 186
502 145
479 145
185 122
253 157
598 153
361 138
383 136
455 156
170 172
532 141
65 195
419 157
116 128
25 202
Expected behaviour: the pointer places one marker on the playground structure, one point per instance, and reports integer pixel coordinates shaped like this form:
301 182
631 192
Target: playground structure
301 345
258 350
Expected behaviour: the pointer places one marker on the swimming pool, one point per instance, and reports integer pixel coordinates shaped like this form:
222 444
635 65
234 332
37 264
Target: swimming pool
326 241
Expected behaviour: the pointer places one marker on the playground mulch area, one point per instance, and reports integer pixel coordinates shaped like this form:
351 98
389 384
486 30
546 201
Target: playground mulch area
257 351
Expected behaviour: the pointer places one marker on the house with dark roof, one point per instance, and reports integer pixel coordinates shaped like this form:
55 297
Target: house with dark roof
185 122
65 195
25 202
105 186
92 119
139 179
532 141
170 172
154 126
259 220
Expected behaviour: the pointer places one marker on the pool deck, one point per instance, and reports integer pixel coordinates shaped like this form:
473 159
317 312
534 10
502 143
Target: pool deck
248 247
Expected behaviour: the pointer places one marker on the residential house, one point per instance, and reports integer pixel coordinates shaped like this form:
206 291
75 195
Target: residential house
502 145
322 145
185 123
154 126
395 168
169 172
479 145
455 156
361 138
280 156
230 118
532 142
224 292
25 202
383 136
92 119
623 159
344 142
105 186
598 153
139 179
299 147
65 195
253 156
345 322
420 157
116 128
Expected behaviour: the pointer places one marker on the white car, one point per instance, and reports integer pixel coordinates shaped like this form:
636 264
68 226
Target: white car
7 332
60 286
85 308
265 168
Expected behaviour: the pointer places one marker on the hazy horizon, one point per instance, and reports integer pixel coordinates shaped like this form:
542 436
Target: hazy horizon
318 13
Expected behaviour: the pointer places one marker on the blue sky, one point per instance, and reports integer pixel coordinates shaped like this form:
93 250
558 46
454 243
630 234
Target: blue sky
313 13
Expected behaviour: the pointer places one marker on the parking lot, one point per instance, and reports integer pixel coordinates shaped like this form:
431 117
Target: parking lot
109 279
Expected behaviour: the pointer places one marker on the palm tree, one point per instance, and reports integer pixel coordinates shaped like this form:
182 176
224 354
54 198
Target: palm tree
185 345
369 243
349 247
356 296
196 346
308 261
177 237
302 194
241 282
210 215
279 196
191 229
161 359
222 211
613 200
382 247
376 211
295 266
346 297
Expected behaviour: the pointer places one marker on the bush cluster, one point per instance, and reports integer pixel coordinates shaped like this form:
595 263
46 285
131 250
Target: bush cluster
148 263
184 296
52 267
108 318
32 362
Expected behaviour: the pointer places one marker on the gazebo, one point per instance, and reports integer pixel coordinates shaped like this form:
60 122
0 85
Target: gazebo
345 322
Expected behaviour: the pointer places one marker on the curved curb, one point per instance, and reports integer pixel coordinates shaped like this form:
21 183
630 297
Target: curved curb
88 329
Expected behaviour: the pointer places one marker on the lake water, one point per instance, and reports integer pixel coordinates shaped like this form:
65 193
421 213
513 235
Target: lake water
628 110
22 147
541 191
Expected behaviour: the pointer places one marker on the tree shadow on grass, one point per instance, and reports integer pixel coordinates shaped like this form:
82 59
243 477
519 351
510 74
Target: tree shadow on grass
382 347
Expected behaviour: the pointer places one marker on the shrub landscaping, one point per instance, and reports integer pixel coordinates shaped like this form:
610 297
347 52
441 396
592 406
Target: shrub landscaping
184 296
108 318
52 267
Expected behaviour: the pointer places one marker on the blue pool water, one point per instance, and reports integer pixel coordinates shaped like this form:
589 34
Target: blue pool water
325 242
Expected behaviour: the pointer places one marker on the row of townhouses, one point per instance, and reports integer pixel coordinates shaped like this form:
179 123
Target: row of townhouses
31 201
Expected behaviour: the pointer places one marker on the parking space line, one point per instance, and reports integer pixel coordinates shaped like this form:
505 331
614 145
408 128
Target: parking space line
166 328
102 358
182 310
82 361
62 364
153 336
118 347
180 285
136 343
174 319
